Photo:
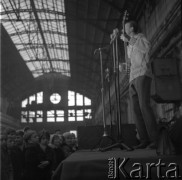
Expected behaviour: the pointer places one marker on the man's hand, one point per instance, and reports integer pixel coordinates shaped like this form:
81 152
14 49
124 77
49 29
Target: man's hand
124 37
132 41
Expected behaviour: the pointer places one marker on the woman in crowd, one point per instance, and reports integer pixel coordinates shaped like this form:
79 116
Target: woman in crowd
55 144
69 143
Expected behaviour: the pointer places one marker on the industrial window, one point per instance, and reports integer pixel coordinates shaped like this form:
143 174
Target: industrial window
77 99
33 99
78 105
34 109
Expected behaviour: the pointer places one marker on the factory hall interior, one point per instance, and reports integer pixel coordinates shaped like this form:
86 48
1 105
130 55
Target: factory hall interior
90 89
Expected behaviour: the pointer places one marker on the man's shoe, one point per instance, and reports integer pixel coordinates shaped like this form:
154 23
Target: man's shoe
151 146
141 145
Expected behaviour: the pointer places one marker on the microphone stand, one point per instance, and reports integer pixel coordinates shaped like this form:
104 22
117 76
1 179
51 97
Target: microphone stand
109 95
105 134
120 142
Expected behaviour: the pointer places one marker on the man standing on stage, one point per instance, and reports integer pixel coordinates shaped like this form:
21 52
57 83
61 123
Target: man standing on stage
139 88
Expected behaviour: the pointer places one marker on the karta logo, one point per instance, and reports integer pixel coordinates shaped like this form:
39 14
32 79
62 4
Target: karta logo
135 170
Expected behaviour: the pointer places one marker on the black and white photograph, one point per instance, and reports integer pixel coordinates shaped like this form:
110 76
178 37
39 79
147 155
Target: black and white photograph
90 89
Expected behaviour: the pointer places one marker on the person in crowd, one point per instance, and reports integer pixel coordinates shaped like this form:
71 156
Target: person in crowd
139 88
31 155
55 144
74 143
175 132
26 129
11 133
38 156
17 156
46 156
58 131
6 163
69 143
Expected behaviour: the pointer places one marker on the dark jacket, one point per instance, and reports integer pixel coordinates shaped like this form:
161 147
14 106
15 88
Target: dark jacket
34 155
18 162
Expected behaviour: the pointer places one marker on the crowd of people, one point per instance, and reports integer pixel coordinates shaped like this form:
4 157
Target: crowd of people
30 155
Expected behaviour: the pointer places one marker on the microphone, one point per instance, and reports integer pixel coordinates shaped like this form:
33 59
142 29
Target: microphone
114 35
99 49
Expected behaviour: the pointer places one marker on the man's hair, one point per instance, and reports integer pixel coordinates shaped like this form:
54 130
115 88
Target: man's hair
134 25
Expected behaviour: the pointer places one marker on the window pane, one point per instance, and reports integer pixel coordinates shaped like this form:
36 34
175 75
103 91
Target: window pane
39 114
31 98
39 117
87 101
87 114
50 113
80 118
79 114
50 119
71 115
71 118
31 120
50 116
31 114
24 103
79 99
39 97
24 116
23 120
71 98
60 119
59 115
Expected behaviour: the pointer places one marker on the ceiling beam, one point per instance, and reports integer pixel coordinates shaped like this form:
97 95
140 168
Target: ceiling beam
35 46
59 44
43 10
35 60
35 31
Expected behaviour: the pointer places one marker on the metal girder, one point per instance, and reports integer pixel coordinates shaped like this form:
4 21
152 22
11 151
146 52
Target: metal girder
59 44
41 31
35 31
51 46
37 10
35 60
47 69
